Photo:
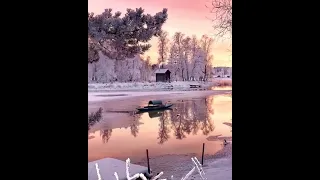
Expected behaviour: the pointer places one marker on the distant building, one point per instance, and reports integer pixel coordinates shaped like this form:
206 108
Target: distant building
162 75
222 72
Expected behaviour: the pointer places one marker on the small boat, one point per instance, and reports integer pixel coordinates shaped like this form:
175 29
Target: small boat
155 105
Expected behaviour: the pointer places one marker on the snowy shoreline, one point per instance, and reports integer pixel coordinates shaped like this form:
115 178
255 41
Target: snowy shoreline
94 97
158 86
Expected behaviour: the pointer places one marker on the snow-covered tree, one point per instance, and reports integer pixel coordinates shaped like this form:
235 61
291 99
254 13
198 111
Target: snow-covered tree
163 47
173 64
197 63
128 70
123 37
93 53
194 47
186 48
101 71
146 69
206 45
176 61
180 61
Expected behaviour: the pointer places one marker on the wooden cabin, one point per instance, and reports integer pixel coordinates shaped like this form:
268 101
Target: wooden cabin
162 75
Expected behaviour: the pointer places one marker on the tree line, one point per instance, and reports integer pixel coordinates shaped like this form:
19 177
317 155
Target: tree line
188 58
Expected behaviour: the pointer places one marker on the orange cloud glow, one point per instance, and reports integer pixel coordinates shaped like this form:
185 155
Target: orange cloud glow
187 16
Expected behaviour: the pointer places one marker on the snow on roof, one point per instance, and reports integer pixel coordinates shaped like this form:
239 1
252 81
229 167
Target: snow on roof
161 71
108 166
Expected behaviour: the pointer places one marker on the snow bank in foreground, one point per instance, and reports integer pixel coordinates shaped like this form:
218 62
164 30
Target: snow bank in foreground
216 167
108 166
180 85
220 167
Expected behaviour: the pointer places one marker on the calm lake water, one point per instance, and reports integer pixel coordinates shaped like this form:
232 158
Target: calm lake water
181 130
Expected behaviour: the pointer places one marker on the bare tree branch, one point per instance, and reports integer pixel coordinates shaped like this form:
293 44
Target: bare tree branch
222 17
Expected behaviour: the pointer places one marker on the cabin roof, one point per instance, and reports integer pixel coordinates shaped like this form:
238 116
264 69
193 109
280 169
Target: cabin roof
161 71
155 102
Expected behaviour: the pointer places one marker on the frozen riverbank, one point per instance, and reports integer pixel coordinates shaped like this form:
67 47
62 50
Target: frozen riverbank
145 86
107 96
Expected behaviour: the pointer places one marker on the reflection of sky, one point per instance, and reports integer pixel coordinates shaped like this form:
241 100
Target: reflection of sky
122 144
222 113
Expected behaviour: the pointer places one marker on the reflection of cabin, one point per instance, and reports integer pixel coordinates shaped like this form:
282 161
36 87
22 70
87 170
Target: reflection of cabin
162 75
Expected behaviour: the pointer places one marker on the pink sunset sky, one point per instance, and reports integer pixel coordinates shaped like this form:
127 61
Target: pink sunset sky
187 16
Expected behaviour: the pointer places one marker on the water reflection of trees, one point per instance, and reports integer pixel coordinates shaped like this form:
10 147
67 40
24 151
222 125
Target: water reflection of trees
105 135
106 132
164 129
207 125
134 126
94 117
187 117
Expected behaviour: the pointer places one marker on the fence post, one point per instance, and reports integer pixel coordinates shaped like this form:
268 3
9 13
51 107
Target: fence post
148 161
202 154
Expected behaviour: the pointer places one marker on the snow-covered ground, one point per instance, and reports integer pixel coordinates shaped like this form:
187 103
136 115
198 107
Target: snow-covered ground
180 85
108 166
216 167
220 169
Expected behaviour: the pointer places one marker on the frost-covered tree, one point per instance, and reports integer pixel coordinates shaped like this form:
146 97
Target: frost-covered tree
206 45
173 64
175 61
163 47
146 69
93 53
193 59
198 63
186 51
200 57
101 71
122 37
197 59
128 70
180 58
